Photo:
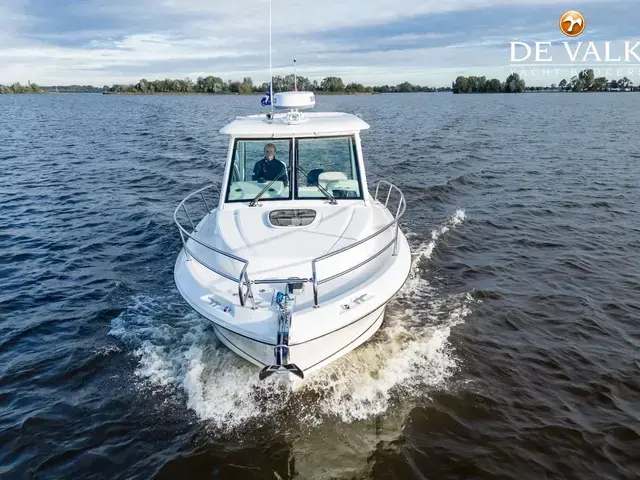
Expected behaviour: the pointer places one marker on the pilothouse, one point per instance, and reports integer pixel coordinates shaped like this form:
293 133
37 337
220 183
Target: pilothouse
295 264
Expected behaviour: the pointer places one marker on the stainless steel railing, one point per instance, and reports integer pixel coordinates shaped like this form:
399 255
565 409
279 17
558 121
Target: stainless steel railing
402 205
243 278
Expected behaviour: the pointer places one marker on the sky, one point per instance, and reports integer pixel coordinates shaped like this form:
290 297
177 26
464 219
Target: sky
428 42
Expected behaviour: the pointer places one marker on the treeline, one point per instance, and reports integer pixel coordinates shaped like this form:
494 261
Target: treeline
513 84
35 88
72 89
586 81
409 87
18 88
213 84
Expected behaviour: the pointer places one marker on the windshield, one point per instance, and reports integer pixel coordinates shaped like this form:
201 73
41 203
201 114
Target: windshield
325 168
255 164
328 164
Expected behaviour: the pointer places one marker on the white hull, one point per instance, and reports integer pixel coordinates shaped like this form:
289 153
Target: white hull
312 355
351 308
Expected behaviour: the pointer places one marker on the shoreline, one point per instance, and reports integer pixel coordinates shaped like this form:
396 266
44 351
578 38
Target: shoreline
319 93
255 94
210 85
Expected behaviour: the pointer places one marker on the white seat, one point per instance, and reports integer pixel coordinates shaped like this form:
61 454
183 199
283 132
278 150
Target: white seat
327 177
333 176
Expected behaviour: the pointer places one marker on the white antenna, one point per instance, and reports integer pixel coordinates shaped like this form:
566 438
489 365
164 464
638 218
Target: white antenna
270 73
295 85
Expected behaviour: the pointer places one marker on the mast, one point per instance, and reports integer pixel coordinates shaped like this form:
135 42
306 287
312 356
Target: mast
270 73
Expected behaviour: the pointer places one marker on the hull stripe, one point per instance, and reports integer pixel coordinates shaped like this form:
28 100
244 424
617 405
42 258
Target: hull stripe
227 339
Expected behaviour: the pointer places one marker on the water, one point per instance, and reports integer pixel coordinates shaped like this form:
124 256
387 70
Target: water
512 351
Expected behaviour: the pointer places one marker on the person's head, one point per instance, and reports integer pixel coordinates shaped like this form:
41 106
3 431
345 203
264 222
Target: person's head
269 151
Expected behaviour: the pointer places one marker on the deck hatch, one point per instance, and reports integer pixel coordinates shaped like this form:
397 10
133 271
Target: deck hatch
292 217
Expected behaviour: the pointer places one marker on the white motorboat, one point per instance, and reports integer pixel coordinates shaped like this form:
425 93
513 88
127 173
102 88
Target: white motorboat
297 262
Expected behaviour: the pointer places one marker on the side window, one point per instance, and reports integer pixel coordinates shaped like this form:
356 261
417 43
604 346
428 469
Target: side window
239 168
254 165
330 163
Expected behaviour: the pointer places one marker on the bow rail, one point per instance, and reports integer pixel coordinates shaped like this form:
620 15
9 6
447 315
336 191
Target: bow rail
402 205
243 279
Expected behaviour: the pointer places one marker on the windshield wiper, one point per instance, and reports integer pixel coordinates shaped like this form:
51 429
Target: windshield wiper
254 202
332 199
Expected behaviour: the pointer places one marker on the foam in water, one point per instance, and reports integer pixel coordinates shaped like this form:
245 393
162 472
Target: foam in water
410 353
405 355
226 389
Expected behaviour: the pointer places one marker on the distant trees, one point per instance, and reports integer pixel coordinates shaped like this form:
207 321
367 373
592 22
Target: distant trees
210 84
586 78
600 84
586 81
332 84
494 85
513 84
408 87
202 85
461 85
18 88
354 87
71 89
285 83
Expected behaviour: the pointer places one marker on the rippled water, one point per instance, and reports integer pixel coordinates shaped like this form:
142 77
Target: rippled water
512 352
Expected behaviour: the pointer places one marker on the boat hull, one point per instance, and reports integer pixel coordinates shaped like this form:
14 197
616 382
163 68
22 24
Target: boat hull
310 355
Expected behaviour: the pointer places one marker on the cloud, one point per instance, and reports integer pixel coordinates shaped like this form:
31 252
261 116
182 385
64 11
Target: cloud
423 41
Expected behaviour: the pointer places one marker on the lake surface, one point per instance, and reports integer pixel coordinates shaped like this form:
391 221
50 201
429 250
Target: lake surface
512 352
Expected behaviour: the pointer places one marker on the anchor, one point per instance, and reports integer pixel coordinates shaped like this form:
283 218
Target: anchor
281 350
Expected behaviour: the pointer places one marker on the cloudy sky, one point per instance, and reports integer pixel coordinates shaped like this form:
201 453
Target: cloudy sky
98 42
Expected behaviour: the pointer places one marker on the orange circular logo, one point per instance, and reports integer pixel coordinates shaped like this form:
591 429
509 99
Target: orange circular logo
572 23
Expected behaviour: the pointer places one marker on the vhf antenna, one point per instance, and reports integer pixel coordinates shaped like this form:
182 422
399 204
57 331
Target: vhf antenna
270 73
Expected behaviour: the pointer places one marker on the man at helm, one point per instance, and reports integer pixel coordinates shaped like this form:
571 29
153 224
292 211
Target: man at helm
270 167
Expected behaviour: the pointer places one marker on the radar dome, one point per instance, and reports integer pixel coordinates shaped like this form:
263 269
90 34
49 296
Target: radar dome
294 100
